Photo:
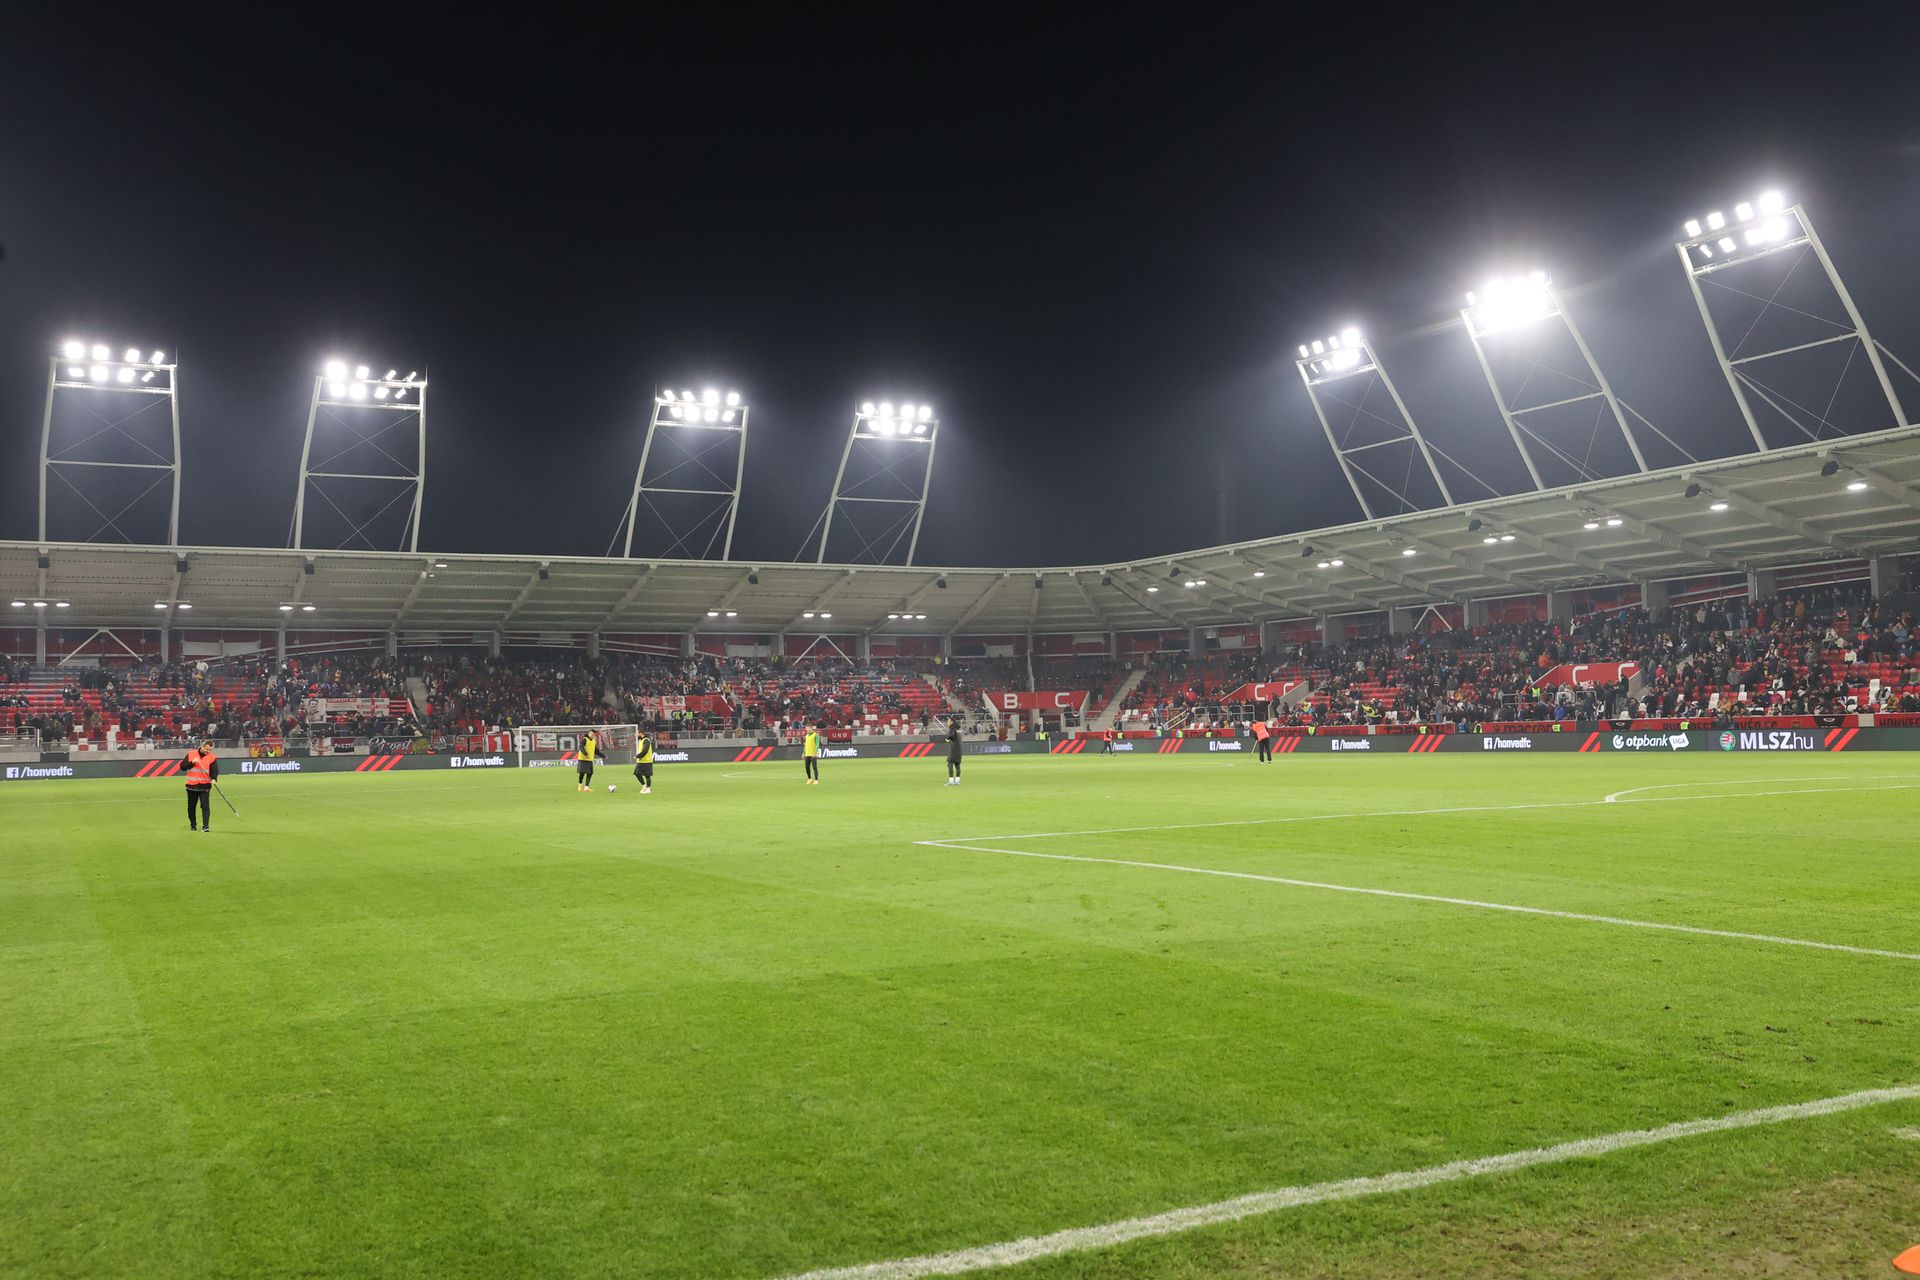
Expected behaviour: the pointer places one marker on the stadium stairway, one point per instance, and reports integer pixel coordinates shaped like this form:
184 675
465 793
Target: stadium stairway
954 703
1109 713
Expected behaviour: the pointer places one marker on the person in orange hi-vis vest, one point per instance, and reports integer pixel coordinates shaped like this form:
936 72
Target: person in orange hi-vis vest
201 769
1263 739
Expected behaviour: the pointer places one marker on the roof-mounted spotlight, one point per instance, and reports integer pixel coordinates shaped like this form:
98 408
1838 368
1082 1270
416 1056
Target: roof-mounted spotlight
1473 525
1829 469
1693 490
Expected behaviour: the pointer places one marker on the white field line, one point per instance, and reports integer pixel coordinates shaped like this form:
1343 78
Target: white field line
1176 1221
1420 813
1474 903
1407 896
1751 782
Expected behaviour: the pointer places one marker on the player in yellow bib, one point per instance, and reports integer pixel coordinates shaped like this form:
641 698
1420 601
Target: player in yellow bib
810 753
643 762
583 767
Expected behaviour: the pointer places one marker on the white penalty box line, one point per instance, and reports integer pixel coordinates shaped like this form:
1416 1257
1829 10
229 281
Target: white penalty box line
1476 904
1177 1221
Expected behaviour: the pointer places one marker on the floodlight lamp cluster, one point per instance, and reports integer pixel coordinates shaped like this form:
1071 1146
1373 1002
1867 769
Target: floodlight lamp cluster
172 604
710 406
1507 304
36 602
356 384
716 613
814 614
1339 353
1755 225
883 419
906 617
288 606
94 362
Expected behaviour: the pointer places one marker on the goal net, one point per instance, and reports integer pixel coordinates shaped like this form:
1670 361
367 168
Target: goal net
547 745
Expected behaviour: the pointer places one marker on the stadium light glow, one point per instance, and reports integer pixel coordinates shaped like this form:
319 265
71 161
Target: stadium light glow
98 373
826 615
1718 506
307 608
132 356
125 376
74 350
336 369
1409 551
1506 537
1259 573
1153 591
1591 524
1507 304
1855 486
709 396
100 351
1614 522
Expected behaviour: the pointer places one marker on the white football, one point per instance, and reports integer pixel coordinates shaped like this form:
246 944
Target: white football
611 787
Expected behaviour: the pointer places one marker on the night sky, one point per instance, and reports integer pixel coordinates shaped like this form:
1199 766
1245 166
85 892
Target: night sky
1093 245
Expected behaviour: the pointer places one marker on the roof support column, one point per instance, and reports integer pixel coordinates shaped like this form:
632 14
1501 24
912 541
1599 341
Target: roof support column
1559 606
1883 575
1762 583
1476 612
393 643
1654 595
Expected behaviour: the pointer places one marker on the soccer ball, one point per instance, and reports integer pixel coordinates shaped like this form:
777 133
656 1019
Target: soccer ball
611 787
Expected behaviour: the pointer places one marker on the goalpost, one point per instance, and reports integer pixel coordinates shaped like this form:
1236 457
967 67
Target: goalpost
549 745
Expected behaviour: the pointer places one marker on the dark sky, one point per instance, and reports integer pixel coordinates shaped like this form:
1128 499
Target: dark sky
1092 243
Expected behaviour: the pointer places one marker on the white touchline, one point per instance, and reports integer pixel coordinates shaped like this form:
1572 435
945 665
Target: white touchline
1475 903
1175 1221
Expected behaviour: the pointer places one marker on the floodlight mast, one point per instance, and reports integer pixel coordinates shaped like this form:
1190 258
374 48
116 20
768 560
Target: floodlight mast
1349 355
83 369
879 433
694 494
1507 305
1760 229
358 391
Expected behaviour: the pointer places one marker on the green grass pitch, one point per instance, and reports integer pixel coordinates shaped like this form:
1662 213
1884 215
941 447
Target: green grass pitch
478 1024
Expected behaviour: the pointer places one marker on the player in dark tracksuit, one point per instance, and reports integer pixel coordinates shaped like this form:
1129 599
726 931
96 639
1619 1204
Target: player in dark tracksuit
953 753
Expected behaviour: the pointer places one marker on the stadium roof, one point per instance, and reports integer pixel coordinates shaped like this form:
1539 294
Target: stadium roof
1779 511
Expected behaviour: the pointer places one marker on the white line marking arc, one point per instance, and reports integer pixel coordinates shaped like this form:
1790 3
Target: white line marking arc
1174 1221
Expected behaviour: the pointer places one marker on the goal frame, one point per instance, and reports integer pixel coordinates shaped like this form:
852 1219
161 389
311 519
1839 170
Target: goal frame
564 741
